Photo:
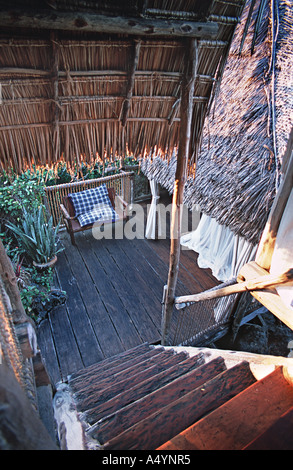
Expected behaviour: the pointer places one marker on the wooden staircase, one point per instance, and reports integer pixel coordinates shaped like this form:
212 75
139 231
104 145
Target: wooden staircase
157 398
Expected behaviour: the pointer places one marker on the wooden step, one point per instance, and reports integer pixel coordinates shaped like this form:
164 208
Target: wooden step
240 420
100 378
135 392
96 394
279 436
112 425
153 431
113 361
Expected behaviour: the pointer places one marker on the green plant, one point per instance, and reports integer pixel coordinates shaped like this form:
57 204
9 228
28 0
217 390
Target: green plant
130 161
16 192
28 296
37 236
38 297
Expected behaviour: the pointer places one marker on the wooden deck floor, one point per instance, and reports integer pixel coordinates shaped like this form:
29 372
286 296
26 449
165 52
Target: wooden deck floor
114 290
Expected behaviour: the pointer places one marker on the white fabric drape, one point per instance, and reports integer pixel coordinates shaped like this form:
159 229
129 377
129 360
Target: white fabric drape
153 215
218 248
282 258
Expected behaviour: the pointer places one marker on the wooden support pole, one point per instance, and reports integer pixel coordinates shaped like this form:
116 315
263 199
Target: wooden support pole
55 67
187 92
130 84
267 243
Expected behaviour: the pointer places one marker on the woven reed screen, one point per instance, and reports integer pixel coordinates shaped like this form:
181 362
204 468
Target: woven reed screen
122 183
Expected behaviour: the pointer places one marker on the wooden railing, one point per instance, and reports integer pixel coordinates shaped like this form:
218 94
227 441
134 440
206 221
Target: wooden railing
122 183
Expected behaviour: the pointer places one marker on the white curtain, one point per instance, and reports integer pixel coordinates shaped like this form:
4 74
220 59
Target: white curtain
153 215
218 248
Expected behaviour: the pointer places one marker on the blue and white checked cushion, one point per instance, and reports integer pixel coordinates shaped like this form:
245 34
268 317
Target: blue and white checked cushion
85 201
92 205
101 212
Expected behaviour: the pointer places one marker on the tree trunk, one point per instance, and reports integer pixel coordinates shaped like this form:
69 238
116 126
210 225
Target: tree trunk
10 283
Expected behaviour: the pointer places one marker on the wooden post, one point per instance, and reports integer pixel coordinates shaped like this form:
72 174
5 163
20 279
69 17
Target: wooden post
187 92
267 243
55 66
130 84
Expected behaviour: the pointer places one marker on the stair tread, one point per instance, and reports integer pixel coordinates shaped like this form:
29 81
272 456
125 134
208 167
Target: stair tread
111 362
137 391
277 437
239 420
93 395
98 380
129 415
161 426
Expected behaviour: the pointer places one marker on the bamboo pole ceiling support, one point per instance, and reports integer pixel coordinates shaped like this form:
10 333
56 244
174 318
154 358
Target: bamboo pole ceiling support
187 92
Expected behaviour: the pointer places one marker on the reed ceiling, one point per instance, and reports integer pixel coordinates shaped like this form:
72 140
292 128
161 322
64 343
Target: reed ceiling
86 80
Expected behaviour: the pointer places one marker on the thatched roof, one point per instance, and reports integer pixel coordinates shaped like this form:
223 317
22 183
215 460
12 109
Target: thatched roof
246 132
87 79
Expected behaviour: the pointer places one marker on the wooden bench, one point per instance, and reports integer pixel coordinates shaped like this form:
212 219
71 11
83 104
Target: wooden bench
72 224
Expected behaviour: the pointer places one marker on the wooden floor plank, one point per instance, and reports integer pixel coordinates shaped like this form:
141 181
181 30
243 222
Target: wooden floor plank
136 282
86 340
69 357
189 273
123 324
148 270
189 262
49 355
131 292
100 318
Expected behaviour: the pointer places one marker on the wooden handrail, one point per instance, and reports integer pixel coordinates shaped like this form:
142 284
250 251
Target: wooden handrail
259 283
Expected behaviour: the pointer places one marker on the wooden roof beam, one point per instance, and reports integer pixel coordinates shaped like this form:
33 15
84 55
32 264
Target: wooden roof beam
89 22
130 84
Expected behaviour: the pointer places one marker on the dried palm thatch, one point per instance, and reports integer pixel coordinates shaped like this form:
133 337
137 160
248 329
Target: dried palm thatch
83 95
246 132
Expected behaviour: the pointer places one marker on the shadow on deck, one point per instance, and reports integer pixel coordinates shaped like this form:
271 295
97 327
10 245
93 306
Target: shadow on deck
114 290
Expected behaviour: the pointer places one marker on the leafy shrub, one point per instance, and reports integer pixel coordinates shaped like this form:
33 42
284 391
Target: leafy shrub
37 235
37 296
18 192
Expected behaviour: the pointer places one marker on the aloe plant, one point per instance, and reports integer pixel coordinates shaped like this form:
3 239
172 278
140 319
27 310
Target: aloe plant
37 235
